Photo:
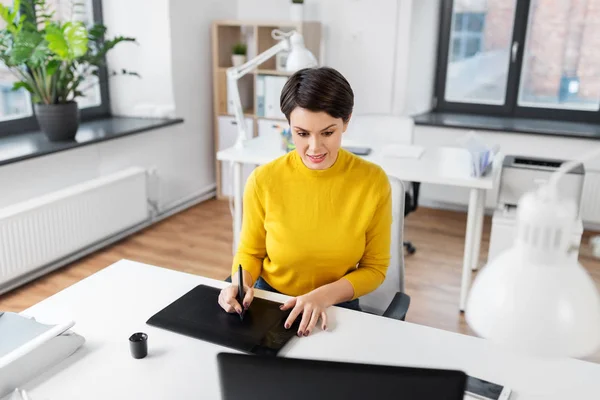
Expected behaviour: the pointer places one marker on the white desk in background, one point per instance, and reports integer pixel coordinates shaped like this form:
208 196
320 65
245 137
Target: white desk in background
112 304
437 165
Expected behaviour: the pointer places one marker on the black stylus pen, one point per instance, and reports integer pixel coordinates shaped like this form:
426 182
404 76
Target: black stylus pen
241 290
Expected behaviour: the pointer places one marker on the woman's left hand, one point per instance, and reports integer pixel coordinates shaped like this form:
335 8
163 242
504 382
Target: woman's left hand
312 306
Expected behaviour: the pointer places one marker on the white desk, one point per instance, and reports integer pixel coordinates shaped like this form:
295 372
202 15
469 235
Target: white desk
439 165
116 302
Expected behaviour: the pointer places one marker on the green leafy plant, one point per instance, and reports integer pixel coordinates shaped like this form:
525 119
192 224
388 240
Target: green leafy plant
239 49
52 59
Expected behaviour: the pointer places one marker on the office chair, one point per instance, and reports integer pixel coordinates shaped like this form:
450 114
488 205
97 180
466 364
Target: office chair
389 129
411 201
389 299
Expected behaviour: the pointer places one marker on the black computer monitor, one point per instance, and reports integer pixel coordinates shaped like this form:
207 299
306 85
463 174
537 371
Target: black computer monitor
249 377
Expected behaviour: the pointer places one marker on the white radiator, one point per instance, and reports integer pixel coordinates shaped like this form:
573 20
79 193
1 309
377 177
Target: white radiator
590 201
42 230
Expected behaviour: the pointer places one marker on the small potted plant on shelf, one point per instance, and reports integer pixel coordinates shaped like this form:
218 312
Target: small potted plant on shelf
297 10
238 56
55 61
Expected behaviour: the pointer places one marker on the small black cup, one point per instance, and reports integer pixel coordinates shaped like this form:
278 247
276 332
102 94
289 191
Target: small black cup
138 344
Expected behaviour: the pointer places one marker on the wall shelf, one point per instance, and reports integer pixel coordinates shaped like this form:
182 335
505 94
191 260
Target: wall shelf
272 72
257 36
260 71
247 114
270 119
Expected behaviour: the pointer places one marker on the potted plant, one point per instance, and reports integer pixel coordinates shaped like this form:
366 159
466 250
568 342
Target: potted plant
238 56
297 10
54 61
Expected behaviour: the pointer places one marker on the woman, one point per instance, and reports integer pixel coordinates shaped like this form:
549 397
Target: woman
317 221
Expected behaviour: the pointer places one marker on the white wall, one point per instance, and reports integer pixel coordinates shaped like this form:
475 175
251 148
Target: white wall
360 42
174 45
513 143
510 143
183 154
151 149
385 48
272 10
192 83
27 179
402 53
422 57
151 58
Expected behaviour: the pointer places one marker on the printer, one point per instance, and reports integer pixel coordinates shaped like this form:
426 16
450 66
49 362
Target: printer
520 175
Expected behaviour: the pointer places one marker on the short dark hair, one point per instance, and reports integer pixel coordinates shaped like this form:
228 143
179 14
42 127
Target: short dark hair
318 89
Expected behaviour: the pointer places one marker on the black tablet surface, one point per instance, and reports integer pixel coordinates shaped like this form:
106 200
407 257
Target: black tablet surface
198 314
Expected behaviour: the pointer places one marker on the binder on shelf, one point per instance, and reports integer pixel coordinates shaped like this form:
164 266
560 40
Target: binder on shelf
260 95
273 87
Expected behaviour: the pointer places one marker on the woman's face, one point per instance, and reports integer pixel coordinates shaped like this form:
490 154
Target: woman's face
317 136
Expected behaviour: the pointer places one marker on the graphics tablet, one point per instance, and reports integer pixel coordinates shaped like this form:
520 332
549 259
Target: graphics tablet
198 314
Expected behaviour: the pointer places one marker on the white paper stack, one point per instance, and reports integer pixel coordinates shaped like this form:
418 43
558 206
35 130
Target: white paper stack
482 155
403 151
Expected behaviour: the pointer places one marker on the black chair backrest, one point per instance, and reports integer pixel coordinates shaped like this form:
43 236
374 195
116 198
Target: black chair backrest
411 198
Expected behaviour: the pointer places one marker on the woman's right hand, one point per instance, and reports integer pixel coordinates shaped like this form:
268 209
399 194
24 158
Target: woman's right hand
228 298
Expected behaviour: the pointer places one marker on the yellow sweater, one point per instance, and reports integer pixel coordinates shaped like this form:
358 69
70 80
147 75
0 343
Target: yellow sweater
305 228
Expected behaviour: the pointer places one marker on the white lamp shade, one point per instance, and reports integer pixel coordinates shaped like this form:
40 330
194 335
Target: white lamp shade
300 57
533 298
538 309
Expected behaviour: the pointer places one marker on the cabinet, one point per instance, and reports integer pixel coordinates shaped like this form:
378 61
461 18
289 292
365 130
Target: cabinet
227 128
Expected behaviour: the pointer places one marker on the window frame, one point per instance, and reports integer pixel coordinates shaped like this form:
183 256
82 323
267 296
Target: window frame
510 108
29 123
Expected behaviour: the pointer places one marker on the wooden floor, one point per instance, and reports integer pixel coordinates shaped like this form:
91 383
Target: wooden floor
198 241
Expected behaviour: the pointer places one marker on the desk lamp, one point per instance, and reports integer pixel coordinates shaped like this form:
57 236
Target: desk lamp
298 58
532 298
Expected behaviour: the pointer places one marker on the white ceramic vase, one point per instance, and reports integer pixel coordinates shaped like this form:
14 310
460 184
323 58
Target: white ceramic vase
297 12
237 59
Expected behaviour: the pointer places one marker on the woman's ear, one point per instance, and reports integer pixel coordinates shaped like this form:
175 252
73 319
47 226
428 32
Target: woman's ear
346 124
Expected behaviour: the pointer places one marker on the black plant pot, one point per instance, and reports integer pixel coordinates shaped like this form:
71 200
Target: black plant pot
58 121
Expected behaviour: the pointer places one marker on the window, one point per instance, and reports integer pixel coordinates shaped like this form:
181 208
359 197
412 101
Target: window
82 11
16 111
12 104
524 58
467 35
561 68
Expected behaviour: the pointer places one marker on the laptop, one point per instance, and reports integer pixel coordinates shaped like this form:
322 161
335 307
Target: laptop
247 377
